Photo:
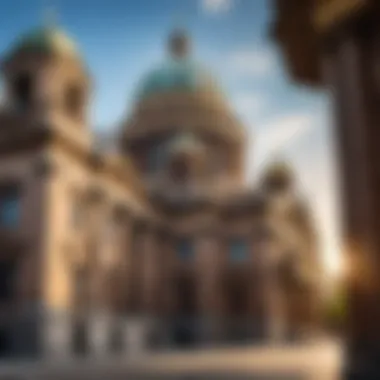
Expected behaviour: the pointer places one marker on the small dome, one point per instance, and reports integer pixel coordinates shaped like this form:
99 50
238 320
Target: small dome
278 174
50 40
176 75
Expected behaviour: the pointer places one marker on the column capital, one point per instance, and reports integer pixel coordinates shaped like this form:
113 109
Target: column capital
144 224
121 212
95 194
96 160
45 167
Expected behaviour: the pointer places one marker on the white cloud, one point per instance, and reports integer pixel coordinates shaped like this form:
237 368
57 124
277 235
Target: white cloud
283 132
251 62
216 6
315 170
317 180
248 104
275 137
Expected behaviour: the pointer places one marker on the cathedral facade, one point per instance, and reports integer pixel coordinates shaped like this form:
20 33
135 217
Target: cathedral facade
158 243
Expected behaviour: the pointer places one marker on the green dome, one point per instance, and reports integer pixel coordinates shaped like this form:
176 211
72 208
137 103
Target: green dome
51 40
177 74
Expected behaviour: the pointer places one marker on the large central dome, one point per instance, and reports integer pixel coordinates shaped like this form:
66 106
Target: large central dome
179 95
179 73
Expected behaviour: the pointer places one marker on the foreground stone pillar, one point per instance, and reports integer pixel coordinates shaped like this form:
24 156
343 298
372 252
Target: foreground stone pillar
352 72
344 35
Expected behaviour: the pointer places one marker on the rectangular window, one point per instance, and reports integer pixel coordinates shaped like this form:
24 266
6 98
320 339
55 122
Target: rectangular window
10 207
156 157
185 249
77 213
7 280
238 250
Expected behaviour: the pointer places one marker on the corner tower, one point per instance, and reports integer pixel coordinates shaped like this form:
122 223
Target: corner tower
43 137
45 78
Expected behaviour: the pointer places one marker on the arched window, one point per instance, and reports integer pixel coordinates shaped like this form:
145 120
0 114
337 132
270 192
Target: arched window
22 88
77 213
185 249
7 280
238 250
74 100
156 157
10 206
180 170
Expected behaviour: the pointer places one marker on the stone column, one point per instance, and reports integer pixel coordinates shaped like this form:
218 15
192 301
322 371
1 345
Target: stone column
38 329
350 67
56 328
99 332
126 251
124 281
271 297
256 290
97 311
208 269
149 270
166 299
151 283
144 285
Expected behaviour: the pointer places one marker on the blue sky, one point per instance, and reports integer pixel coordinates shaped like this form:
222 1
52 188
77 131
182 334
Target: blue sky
122 39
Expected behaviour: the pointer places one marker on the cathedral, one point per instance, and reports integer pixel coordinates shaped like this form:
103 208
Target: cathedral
157 242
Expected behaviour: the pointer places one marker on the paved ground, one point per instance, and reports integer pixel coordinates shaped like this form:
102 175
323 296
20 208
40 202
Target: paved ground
320 361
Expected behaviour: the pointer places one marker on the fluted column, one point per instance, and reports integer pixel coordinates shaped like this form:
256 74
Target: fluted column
143 285
208 275
167 273
256 287
149 272
123 240
271 298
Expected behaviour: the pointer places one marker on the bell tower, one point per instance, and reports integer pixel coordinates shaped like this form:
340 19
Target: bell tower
43 139
45 79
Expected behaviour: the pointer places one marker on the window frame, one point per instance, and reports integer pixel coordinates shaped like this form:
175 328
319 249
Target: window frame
232 257
190 249
73 98
23 101
14 189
